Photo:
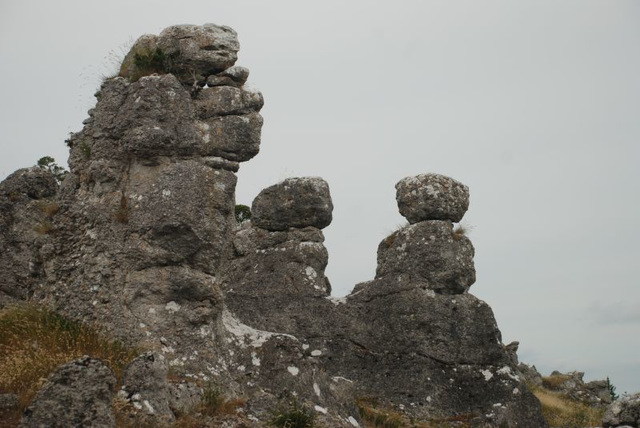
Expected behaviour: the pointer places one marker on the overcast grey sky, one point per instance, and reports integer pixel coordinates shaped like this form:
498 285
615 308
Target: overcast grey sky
533 104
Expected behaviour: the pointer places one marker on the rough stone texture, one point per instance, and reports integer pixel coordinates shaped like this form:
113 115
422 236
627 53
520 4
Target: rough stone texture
8 402
232 76
595 393
432 197
76 394
28 214
34 182
184 396
294 202
431 254
530 374
625 411
144 385
146 246
192 52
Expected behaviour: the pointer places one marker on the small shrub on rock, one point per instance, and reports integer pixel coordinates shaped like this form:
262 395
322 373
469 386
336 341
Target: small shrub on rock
243 213
49 163
295 416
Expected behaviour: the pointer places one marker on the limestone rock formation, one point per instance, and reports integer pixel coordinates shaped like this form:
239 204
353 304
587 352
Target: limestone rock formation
146 245
76 394
27 212
145 387
624 412
432 197
295 202
596 393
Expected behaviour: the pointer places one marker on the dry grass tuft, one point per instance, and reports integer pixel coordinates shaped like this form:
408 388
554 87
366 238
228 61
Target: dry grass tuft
35 340
122 213
44 228
48 208
560 411
375 416
460 231
215 403
554 381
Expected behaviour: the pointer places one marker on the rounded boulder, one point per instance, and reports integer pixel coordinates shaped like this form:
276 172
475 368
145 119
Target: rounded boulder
432 197
295 202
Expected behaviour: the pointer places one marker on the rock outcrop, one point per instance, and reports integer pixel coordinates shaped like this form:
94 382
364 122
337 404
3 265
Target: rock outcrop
624 412
146 245
77 394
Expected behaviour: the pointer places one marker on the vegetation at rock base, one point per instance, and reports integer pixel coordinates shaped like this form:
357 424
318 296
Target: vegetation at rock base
293 416
215 403
49 163
375 415
35 340
561 411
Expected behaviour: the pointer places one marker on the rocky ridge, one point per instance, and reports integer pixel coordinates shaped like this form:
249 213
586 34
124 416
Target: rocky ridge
141 239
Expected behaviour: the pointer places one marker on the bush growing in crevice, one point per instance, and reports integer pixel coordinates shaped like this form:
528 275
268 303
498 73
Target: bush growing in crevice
243 213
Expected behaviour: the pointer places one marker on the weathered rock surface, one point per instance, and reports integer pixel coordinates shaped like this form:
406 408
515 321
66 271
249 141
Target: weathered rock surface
144 385
146 246
295 202
27 217
190 52
77 394
595 393
232 76
530 374
432 197
429 253
625 411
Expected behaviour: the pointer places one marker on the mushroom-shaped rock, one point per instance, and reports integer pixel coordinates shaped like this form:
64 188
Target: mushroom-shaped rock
76 394
190 52
432 197
295 202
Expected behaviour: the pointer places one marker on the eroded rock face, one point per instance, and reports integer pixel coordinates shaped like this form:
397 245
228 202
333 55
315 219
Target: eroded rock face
27 212
432 197
295 202
190 52
145 387
146 245
625 411
429 253
76 394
